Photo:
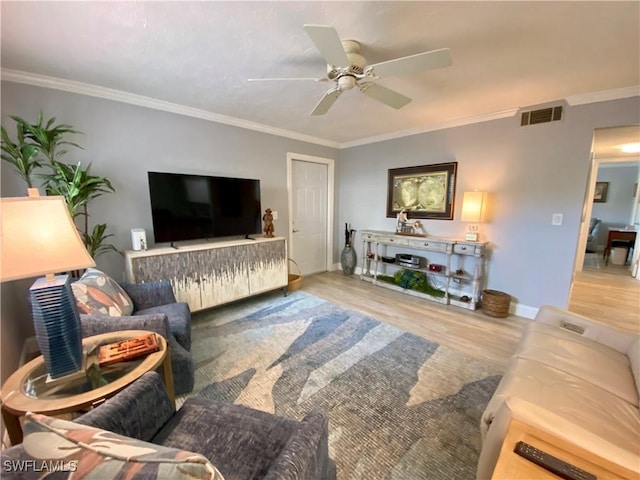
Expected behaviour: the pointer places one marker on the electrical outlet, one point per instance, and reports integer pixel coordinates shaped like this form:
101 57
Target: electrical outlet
275 215
556 219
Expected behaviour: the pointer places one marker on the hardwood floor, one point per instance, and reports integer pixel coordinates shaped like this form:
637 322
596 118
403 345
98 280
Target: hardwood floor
473 333
608 294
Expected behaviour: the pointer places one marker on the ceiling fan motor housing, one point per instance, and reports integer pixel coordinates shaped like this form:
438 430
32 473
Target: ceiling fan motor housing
356 62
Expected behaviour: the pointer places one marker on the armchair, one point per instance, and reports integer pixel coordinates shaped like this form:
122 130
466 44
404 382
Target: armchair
242 443
154 309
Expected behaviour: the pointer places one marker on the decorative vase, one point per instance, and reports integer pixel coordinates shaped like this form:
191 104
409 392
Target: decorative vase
348 260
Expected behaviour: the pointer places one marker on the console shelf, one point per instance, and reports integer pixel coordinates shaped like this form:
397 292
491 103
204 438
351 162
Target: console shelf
453 254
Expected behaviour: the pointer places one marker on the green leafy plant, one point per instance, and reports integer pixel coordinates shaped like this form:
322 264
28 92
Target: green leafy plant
42 144
95 241
77 186
412 280
22 155
47 137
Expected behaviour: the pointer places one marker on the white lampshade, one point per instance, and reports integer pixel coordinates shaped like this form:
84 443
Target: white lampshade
473 206
38 237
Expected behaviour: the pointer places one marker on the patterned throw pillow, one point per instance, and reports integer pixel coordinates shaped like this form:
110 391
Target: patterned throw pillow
92 453
96 292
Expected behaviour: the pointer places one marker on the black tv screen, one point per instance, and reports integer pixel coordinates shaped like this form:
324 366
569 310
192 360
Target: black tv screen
188 207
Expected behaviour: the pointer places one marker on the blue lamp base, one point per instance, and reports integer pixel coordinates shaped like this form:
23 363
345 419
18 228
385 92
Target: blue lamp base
57 325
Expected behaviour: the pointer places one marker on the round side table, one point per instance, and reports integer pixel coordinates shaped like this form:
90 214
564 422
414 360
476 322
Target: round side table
28 390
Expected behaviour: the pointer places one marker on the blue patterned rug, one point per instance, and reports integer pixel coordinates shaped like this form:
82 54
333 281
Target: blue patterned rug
400 406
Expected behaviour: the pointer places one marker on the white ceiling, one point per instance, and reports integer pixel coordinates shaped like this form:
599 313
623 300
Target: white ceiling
199 55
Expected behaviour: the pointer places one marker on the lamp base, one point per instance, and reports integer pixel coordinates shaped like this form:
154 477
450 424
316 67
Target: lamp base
57 325
76 377
471 236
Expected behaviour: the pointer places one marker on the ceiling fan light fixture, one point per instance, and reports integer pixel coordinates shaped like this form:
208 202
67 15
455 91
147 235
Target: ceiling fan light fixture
346 82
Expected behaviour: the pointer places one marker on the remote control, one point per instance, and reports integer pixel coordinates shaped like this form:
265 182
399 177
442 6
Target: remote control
554 465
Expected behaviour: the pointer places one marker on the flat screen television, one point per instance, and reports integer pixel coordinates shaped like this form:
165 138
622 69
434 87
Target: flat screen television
189 207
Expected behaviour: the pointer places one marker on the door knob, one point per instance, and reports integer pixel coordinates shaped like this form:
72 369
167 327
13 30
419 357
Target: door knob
295 231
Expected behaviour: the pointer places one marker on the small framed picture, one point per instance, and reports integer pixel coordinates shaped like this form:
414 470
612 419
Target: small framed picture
600 194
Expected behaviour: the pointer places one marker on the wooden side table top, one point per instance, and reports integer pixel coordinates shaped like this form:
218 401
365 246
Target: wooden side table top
19 395
511 466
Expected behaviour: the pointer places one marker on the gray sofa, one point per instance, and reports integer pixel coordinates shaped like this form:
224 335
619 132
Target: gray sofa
243 444
155 309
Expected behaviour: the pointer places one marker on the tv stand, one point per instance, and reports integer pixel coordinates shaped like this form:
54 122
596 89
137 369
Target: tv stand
173 245
209 274
247 237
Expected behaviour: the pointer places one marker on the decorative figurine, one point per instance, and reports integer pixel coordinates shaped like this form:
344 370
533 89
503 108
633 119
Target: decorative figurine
406 226
401 219
267 218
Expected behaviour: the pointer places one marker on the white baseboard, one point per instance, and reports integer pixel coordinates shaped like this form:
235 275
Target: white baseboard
523 310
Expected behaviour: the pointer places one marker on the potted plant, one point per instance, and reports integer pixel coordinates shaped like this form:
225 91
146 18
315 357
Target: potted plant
73 182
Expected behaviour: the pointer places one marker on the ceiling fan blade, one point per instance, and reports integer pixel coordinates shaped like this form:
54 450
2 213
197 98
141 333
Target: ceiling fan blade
328 43
325 103
323 79
384 95
420 61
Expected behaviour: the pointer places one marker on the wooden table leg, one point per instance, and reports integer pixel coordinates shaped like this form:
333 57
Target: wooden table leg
168 376
12 424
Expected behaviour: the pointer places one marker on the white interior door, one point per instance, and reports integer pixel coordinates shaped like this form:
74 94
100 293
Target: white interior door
311 217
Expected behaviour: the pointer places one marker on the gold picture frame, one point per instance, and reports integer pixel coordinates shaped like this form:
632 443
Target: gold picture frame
425 191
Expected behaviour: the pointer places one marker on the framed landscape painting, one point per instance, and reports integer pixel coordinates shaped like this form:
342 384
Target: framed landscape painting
600 194
425 191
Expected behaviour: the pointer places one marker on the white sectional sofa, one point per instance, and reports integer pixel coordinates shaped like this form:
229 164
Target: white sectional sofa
576 379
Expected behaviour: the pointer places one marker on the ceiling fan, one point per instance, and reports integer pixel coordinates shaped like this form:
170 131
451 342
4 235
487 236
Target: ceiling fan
348 69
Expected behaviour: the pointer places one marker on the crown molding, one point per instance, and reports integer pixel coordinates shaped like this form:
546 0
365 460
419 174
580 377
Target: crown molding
80 88
458 122
603 96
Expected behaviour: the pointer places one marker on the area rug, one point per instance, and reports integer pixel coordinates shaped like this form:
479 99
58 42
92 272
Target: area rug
399 406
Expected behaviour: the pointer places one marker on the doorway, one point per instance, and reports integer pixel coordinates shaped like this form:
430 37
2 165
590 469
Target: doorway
618 292
310 182
606 156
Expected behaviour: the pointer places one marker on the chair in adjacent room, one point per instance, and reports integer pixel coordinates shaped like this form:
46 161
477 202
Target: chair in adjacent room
592 239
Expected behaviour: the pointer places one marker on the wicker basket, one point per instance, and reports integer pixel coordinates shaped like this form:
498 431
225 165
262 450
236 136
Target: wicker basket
295 280
495 303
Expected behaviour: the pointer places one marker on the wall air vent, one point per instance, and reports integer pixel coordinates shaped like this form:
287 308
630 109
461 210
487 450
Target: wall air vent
544 115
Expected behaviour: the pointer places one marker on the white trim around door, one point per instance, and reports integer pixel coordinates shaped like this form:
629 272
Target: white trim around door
330 163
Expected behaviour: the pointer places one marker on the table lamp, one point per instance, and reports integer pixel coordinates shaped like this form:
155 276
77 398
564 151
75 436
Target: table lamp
39 238
473 209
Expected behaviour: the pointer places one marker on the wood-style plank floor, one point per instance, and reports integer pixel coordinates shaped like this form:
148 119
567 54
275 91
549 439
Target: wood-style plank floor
470 332
608 294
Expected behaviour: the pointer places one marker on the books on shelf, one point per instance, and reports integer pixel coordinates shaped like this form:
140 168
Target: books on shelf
128 349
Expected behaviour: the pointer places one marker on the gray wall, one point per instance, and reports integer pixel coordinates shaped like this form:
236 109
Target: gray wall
124 141
530 172
617 210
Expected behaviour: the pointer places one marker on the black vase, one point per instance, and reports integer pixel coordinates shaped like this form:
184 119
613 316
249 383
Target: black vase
348 260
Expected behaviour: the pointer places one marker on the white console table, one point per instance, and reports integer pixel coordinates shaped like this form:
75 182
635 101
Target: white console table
462 264
208 274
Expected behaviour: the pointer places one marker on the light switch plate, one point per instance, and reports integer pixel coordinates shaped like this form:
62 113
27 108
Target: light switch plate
275 215
556 219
